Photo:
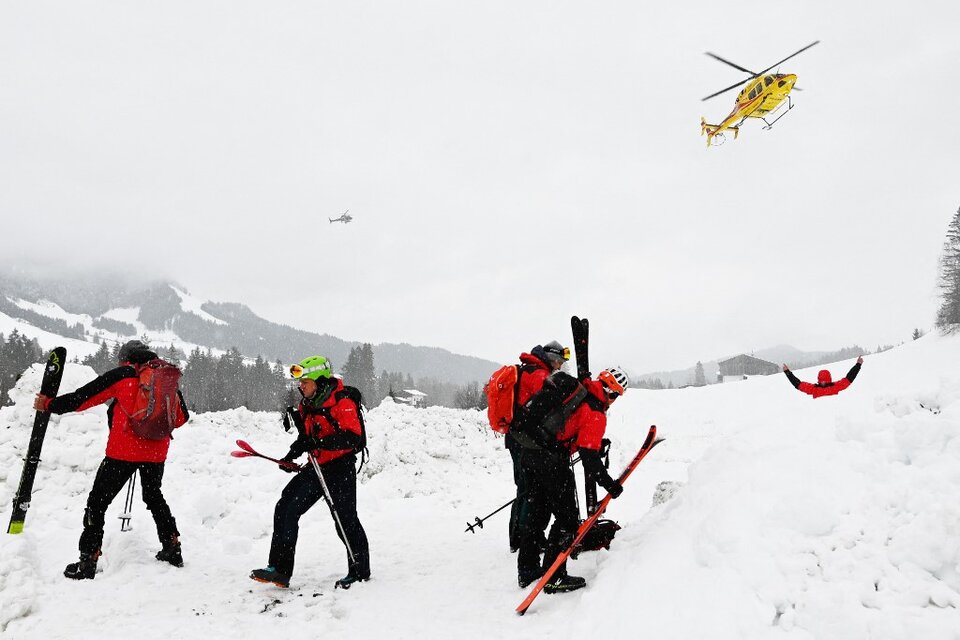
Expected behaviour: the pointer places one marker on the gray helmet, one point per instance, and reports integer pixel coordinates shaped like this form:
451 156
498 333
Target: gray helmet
556 352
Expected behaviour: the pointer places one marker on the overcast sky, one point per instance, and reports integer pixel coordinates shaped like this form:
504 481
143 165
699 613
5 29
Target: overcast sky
507 164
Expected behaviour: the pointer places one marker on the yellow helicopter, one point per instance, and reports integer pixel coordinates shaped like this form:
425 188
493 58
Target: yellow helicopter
763 94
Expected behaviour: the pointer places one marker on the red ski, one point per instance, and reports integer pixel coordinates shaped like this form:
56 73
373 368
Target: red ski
648 444
249 451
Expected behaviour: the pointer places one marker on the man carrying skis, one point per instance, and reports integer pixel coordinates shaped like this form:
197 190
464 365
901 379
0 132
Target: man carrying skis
127 452
825 385
535 368
329 428
551 485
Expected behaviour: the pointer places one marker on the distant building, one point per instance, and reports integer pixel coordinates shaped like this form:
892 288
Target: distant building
742 367
410 396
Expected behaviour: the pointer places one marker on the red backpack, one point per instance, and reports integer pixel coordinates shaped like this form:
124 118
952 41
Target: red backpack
156 408
501 391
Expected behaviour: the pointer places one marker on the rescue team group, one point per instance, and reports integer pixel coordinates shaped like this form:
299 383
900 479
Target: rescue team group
547 426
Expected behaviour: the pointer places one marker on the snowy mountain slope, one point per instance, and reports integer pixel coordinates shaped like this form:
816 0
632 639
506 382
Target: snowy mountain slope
834 518
91 307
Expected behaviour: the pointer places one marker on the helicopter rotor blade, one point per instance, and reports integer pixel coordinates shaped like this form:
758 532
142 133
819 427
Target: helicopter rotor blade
788 57
735 66
733 86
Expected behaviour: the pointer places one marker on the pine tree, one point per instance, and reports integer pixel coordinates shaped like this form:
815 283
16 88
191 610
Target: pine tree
367 382
101 361
948 316
16 355
699 378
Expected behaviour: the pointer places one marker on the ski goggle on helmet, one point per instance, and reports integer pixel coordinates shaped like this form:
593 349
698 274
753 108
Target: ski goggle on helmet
311 368
557 352
615 380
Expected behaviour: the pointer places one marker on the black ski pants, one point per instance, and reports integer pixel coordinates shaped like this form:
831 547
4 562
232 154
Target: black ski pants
551 491
517 507
301 493
110 479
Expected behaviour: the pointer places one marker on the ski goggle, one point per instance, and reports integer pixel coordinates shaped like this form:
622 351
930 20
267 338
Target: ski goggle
297 372
565 354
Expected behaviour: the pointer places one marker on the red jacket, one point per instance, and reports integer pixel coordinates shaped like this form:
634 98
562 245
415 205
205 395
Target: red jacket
586 426
531 380
335 422
825 385
119 385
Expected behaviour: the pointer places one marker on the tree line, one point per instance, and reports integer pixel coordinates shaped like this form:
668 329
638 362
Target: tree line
229 380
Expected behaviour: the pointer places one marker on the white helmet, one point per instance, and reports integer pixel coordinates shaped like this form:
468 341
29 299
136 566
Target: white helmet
614 379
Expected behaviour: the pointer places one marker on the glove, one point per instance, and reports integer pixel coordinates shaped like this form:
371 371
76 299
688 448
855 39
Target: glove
289 458
615 489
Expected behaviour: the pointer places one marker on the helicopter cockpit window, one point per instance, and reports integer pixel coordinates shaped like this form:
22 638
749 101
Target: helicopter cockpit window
753 92
768 80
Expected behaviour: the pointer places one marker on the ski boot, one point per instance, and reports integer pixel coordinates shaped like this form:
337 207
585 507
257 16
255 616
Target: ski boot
271 576
347 581
564 583
85 569
171 552
525 579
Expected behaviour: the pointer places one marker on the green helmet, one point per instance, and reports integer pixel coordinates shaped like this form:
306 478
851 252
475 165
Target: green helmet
314 367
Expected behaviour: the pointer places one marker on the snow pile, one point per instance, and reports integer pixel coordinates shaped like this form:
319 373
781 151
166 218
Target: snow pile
422 461
834 518
789 518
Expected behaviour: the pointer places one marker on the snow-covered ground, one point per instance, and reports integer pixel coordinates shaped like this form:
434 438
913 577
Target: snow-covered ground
834 518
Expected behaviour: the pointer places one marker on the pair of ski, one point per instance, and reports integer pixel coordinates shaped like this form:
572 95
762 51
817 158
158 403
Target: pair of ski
648 444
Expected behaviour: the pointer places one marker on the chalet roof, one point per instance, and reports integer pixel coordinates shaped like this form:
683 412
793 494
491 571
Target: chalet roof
744 358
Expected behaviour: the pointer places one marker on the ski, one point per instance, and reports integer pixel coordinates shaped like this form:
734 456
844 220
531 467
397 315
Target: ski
52 374
581 336
648 444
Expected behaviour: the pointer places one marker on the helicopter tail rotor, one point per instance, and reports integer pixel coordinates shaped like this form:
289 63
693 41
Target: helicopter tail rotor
709 129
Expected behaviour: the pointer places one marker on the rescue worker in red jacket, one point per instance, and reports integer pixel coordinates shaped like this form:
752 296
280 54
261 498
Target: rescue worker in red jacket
551 484
825 385
126 454
535 367
329 428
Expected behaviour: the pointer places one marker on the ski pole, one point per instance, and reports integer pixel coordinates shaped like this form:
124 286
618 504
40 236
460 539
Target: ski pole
249 451
333 510
127 514
478 522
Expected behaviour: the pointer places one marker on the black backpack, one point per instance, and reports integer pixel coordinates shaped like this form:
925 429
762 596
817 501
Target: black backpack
544 415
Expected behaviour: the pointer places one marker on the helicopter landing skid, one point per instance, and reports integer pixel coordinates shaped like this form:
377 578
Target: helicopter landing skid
785 112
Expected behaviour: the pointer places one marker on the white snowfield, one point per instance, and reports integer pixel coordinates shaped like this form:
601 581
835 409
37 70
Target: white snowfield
797 518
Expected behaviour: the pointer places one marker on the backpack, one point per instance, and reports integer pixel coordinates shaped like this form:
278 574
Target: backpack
543 417
353 394
156 408
501 391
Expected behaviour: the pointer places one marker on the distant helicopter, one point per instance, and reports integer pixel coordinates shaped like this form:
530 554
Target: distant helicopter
763 94
344 218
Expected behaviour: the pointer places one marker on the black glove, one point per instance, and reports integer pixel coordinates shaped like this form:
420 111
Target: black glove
615 489
289 458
